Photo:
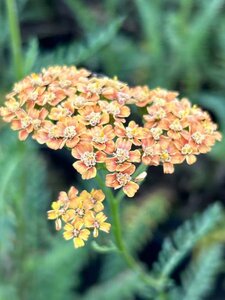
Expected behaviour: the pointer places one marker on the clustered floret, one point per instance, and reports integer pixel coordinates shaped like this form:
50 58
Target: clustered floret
91 116
80 214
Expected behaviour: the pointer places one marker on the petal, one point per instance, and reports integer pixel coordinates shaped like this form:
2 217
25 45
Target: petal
84 234
78 242
191 159
105 227
68 235
130 188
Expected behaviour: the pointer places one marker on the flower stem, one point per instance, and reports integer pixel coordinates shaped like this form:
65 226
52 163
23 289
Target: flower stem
117 232
15 37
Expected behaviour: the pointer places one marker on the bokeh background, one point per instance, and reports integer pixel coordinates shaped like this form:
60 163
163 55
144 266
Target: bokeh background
175 44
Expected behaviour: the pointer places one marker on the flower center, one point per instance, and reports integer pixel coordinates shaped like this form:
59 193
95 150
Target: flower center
156 132
89 159
94 118
52 134
48 97
149 151
160 114
96 224
122 97
36 123
176 126
33 95
65 84
165 157
186 150
76 232
113 109
121 155
159 101
130 132
25 122
99 139
198 137
123 178
70 132
80 212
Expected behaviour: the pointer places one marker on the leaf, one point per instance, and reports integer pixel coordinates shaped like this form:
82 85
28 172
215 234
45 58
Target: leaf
183 240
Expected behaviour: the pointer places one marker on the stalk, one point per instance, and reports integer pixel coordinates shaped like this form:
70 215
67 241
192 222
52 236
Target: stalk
15 38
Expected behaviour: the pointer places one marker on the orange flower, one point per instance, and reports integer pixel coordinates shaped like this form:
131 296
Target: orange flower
133 132
123 180
9 111
88 159
102 138
93 115
98 223
77 233
169 155
70 130
48 135
117 111
122 156
151 152
28 122
140 96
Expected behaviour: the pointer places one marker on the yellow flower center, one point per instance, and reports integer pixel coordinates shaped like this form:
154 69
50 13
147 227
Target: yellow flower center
25 122
160 114
165 157
198 137
70 132
176 126
121 155
36 123
156 132
186 150
52 134
94 118
48 97
123 178
99 138
159 101
65 83
89 159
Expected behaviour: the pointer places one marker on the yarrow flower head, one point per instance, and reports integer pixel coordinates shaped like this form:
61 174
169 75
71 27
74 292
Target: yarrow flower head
91 116
80 213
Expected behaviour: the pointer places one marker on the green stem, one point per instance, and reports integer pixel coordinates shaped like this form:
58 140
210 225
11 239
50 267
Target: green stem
15 37
117 232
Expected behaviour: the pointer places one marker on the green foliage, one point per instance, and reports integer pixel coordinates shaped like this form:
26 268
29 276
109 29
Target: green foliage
122 287
174 249
199 278
33 264
144 218
78 52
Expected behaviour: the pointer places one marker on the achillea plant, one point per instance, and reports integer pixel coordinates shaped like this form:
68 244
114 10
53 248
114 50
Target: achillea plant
91 117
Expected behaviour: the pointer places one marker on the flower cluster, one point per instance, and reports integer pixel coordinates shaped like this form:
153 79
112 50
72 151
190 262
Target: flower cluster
80 213
91 116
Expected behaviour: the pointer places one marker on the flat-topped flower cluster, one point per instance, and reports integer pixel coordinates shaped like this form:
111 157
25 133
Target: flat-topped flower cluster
92 117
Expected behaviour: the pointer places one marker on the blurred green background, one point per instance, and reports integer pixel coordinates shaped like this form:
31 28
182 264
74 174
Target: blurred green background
175 44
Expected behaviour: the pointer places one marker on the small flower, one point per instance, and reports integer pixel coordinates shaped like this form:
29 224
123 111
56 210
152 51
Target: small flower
133 132
77 233
93 200
122 156
88 159
123 180
102 138
98 223
28 122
